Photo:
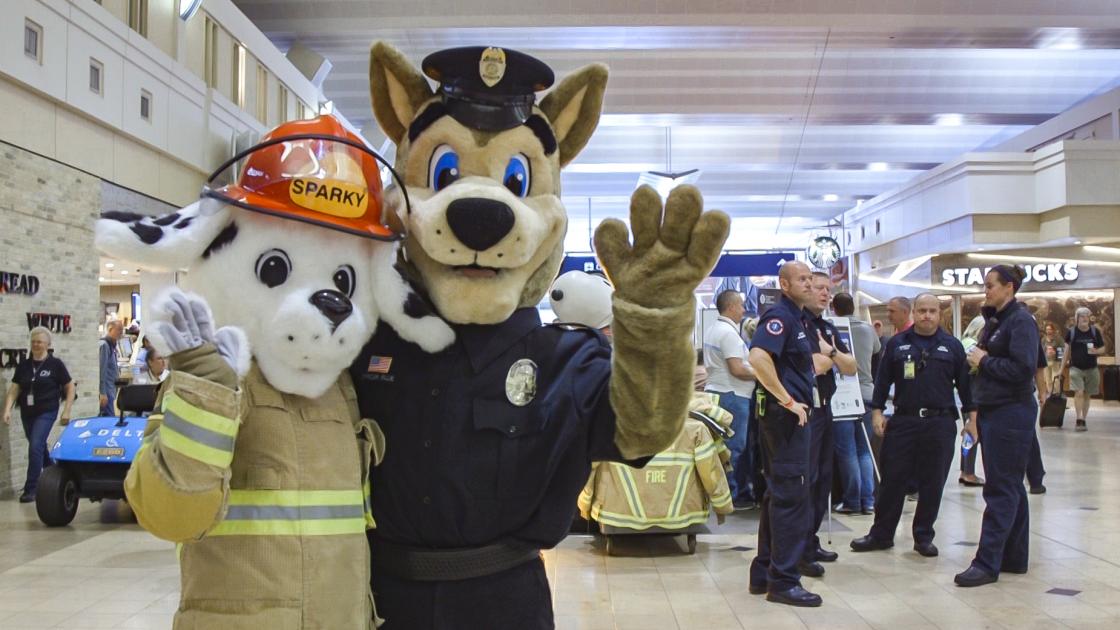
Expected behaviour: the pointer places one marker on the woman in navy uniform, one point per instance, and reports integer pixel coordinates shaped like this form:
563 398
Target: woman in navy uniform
1004 364
782 357
924 364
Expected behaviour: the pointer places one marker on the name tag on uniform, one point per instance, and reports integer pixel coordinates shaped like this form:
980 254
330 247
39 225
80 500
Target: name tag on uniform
909 370
30 399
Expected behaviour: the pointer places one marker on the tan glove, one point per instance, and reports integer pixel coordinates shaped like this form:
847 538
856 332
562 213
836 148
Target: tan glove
669 257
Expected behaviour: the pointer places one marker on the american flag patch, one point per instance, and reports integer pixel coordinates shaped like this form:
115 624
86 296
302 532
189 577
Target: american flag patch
379 365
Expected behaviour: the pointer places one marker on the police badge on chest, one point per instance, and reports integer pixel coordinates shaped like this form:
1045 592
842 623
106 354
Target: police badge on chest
521 382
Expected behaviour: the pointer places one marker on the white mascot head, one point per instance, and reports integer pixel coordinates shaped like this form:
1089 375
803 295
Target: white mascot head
294 254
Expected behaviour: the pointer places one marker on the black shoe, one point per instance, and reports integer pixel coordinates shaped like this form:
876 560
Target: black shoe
26 498
867 543
1039 489
913 496
867 511
744 504
927 549
841 509
757 589
971 484
974 577
810 569
795 596
1081 426
824 555
1016 571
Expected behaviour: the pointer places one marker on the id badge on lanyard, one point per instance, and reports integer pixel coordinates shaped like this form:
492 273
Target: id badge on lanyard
909 370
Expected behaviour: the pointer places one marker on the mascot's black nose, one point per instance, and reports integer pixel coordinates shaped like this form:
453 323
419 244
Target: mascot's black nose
479 223
333 305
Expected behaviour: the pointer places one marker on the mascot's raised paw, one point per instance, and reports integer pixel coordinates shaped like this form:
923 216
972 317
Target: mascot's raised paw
183 328
670 255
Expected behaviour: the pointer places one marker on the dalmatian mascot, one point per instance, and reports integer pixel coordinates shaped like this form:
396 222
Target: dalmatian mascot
257 459
491 440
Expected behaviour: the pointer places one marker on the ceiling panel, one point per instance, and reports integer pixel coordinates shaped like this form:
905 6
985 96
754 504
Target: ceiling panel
792 115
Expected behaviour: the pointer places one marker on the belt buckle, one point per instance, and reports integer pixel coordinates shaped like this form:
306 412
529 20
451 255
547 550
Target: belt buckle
923 412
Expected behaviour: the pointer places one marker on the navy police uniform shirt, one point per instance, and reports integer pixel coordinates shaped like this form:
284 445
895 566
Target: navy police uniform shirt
784 333
464 466
937 366
826 382
1006 375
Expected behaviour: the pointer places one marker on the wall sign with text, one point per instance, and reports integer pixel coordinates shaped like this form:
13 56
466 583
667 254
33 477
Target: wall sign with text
960 271
18 283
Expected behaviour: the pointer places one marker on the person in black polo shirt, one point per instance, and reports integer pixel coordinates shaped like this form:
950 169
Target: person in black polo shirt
924 364
1005 361
1083 344
782 356
828 351
39 382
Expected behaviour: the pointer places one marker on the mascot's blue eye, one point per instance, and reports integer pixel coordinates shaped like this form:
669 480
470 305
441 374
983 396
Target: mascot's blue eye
516 178
444 168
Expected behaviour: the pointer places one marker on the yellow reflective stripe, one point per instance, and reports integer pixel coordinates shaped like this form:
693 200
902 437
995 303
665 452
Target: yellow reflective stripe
629 522
680 459
189 448
705 451
296 498
318 527
199 417
682 488
628 484
722 499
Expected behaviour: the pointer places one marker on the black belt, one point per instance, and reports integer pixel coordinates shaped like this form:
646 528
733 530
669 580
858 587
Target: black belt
439 565
926 412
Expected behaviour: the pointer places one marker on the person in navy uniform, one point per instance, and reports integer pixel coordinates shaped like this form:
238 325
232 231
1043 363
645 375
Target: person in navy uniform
829 351
1004 361
782 356
924 364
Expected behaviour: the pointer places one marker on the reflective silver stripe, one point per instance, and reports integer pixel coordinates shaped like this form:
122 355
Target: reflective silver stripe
287 513
198 434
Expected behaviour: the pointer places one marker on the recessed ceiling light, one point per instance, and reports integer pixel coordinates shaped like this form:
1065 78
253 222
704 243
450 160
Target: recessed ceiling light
949 120
100 279
1077 242
831 197
878 166
124 272
109 265
979 249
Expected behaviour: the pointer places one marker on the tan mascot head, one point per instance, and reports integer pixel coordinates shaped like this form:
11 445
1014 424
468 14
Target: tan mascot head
481 163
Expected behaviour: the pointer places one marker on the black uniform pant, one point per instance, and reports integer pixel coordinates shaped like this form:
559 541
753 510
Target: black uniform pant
918 450
821 456
785 505
515 598
1006 432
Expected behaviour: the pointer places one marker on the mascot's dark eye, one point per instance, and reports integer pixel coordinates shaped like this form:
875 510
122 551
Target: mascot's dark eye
273 267
444 168
516 178
344 280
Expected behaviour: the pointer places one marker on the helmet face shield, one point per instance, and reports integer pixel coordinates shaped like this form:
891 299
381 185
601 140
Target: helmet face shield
334 182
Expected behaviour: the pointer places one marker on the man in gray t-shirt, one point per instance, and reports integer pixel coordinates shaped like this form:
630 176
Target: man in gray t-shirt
853 452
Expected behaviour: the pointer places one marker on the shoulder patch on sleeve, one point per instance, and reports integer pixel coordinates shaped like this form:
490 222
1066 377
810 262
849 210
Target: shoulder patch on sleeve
775 327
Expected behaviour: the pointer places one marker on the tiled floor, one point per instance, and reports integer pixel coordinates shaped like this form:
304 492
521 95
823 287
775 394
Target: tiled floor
95 575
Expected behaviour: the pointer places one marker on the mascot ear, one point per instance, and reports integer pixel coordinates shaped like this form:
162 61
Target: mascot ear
397 90
402 308
573 108
169 242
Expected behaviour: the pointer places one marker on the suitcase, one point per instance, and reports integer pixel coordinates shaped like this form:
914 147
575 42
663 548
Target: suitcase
1054 409
1110 383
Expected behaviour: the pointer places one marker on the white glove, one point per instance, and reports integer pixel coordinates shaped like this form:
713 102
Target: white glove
182 321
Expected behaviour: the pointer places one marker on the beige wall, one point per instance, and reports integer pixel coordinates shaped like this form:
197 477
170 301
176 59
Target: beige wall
122 295
47 211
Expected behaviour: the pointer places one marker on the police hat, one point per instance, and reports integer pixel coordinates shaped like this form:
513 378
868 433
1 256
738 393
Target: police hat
492 89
